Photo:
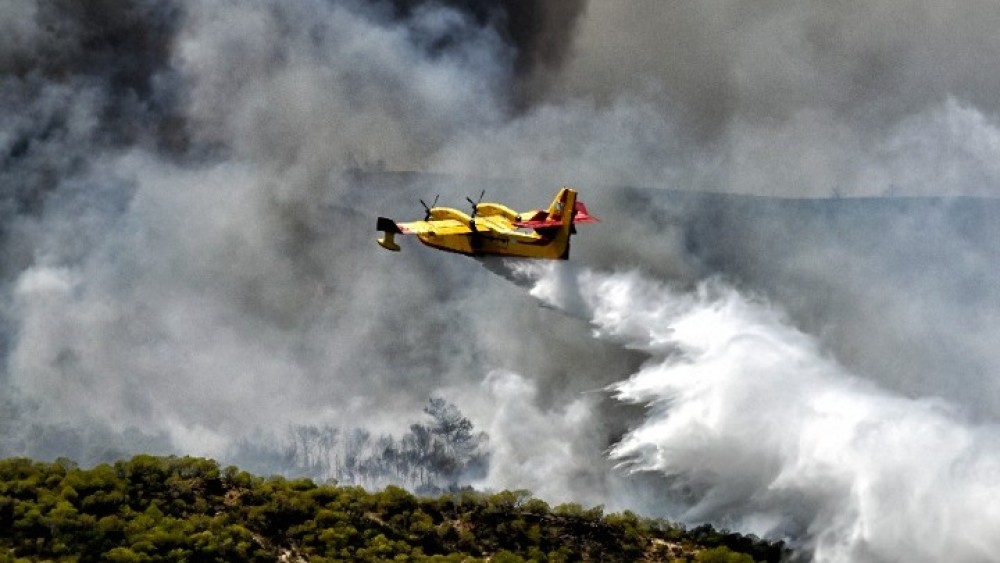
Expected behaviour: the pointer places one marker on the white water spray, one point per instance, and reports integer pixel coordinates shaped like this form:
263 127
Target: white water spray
759 430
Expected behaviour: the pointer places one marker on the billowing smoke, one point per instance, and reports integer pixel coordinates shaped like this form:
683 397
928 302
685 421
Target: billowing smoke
187 262
539 34
187 221
758 428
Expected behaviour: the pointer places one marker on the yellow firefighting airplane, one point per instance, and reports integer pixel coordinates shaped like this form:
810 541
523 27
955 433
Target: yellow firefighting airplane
495 229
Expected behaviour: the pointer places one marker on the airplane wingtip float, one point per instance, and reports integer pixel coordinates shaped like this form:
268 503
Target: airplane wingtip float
493 229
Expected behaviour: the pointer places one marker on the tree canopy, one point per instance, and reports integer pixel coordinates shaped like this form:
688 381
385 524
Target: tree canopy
185 508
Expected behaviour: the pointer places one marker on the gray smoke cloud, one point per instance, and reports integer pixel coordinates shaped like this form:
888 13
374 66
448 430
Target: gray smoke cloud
759 429
798 101
186 256
202 289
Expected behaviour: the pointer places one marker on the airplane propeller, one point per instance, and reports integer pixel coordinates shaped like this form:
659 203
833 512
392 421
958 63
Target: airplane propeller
472 219
475 204
427 208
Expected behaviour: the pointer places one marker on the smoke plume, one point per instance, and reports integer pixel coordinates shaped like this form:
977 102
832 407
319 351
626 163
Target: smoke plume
757 428
791 286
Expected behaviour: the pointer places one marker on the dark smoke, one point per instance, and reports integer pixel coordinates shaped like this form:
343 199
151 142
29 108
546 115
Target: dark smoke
187 259
732 73
540 33
121 49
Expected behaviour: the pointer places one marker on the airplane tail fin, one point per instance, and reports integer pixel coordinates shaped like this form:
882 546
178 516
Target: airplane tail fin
558 204
563 208
570 212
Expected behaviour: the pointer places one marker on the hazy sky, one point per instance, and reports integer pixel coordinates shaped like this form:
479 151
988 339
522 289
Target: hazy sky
187 256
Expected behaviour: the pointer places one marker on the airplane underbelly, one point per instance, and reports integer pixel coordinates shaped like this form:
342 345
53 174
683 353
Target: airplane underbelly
451 243
481 245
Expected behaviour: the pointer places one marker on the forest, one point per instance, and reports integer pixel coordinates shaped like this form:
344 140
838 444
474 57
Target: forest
171 508
433 456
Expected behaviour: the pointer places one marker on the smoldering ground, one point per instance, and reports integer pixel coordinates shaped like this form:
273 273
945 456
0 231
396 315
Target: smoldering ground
186 196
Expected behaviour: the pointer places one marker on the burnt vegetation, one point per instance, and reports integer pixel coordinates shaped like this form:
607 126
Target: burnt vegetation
434 456
183 508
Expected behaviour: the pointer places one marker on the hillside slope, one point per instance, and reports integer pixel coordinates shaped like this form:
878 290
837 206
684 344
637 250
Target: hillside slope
169 508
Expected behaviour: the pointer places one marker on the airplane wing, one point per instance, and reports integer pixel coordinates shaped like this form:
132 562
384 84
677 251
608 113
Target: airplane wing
438 227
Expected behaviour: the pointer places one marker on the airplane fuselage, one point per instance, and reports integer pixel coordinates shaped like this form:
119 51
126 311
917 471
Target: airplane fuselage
487 236
495 229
